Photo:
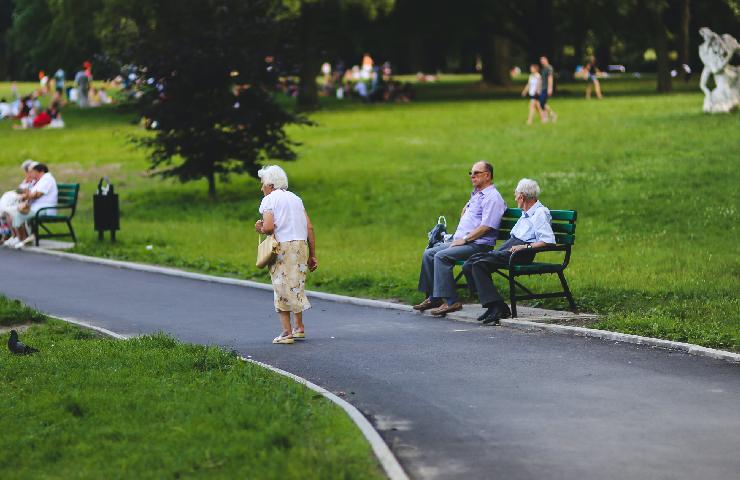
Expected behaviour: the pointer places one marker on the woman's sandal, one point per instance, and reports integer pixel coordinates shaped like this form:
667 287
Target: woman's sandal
299 335
284 339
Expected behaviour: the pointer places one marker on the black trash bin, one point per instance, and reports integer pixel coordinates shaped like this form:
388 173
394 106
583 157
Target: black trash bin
105 209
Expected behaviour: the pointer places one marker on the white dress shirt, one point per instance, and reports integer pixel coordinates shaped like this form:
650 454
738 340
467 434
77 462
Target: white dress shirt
534 225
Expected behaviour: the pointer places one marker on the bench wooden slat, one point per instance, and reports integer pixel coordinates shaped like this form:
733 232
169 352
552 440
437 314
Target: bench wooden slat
569 215
565 239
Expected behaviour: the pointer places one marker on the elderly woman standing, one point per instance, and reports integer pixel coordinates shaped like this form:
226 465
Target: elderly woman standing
284 215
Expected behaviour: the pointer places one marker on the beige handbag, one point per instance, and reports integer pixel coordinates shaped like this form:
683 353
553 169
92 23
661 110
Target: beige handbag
267 251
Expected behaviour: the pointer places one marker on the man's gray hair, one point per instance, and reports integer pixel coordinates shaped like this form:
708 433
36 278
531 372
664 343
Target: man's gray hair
28 165
275 176
528 188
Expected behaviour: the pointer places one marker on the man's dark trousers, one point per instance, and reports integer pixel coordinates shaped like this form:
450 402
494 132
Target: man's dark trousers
478 269
436 279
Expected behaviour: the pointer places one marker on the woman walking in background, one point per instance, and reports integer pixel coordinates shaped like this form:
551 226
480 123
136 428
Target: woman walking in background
533 89
284 216
592 77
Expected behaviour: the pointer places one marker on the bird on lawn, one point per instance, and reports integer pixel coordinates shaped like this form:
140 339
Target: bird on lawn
18 347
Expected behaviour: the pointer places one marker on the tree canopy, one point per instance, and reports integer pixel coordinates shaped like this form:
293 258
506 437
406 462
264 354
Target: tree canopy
207 93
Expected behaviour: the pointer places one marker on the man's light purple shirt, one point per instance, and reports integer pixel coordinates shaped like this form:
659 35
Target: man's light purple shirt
485 207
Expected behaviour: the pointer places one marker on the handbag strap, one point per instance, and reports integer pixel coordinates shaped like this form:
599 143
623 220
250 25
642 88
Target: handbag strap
442 220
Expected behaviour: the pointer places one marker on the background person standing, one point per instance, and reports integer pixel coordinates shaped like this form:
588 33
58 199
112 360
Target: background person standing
592 72
546 73
82 82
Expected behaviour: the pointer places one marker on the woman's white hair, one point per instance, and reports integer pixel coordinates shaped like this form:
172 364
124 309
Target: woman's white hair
275 176
28 164
528 188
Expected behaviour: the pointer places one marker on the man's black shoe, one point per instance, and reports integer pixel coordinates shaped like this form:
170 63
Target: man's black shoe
492 317
496 312
505 311
485 314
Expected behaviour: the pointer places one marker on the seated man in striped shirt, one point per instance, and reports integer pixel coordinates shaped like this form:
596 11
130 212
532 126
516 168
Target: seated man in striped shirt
532 230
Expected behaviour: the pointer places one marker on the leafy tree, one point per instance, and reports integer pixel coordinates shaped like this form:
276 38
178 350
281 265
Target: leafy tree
47 34
6 13
206 95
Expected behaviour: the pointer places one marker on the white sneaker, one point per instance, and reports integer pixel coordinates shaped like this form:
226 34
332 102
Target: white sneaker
10 243
22 243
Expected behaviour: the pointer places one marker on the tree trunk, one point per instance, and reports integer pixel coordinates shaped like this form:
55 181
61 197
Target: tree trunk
604 53
683 38
496 59
542 32
661 52
6 21
308 93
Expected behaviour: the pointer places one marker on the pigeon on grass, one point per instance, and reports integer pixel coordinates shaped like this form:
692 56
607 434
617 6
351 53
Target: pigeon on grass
18 347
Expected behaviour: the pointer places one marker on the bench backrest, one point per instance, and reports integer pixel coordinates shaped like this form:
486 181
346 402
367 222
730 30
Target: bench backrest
67 195
563 225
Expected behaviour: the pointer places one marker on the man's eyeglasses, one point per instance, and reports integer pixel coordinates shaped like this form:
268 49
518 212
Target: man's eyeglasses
473 174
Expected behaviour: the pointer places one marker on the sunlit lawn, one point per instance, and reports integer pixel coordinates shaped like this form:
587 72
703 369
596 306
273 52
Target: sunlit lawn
653 179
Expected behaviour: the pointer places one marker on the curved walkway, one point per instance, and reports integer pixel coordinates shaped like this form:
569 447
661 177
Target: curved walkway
451 400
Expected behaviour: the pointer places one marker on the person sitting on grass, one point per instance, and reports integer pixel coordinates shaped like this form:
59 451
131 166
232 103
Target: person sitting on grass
6 110
532 230
42 194
476 233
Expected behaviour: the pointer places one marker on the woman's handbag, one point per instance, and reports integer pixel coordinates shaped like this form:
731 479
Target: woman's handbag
267 251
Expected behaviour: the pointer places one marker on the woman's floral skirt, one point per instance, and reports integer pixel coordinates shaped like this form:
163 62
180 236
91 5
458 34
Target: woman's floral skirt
288 275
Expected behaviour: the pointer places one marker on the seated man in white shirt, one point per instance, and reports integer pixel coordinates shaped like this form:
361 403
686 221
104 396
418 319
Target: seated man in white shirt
532 230
42 194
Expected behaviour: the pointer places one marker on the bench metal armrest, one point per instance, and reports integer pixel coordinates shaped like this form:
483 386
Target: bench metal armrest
546 248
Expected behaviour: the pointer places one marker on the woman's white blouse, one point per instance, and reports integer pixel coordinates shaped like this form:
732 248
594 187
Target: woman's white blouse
289 213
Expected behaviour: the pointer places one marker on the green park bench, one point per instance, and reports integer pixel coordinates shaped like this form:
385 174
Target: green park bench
564 227
65 211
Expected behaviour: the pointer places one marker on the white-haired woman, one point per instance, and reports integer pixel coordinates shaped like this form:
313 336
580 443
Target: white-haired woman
283 214
9 203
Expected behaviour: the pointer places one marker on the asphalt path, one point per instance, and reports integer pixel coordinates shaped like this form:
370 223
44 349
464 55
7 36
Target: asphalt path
452 400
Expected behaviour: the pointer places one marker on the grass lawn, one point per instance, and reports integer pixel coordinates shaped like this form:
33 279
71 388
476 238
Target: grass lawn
653 179
151 407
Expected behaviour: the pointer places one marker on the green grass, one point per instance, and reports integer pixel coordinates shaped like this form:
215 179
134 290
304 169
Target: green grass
151 407
13 312
653 179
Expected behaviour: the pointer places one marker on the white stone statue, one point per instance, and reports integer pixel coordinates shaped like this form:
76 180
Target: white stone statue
716 53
